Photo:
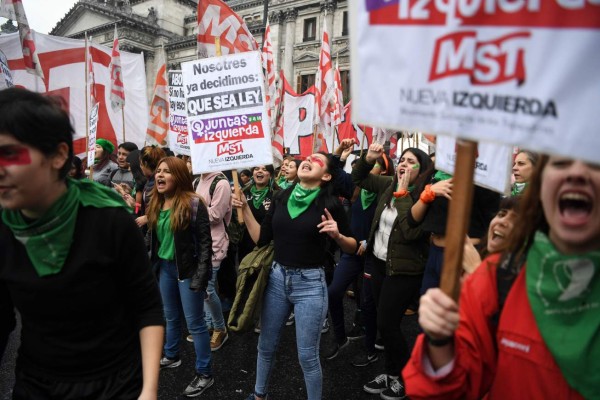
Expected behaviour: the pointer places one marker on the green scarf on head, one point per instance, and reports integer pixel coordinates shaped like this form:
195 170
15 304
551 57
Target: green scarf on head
48 239
518 188
564 293
367 198
300 199
258 195
441 176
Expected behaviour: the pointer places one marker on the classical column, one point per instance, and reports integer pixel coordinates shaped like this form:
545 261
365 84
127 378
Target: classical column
275 20
290 38
327 10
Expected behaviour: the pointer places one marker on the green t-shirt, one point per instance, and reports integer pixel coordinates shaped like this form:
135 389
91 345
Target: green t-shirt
166 249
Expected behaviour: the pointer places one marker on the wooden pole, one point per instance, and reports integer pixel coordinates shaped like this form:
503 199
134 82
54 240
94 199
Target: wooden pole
458 216
362 143
123 117
236 180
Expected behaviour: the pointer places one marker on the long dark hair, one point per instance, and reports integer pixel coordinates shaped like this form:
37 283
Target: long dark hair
424 165
531 214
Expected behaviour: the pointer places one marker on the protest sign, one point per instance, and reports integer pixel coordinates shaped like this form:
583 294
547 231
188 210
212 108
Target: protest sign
227 116
5 75
92 134
516 72
178 130
493 164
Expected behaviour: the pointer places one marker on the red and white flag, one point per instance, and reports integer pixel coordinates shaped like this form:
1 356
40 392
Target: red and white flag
14 10
158 123
269 66
394 146
338 98
90 71
278 135
217 20
324 84
117 88
363 135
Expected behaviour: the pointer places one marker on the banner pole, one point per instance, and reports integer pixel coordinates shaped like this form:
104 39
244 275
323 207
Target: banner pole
362 142
458 216
234 173
123 117
87 111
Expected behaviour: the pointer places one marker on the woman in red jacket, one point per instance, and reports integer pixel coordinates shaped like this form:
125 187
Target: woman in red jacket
543 342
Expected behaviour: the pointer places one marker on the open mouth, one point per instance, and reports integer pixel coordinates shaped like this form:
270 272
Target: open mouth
306 167
161 183
575 207
497 235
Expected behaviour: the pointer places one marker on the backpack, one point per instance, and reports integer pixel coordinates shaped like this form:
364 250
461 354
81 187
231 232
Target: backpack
252 280
234 229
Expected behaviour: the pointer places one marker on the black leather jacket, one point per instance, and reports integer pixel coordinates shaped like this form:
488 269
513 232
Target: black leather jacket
193 250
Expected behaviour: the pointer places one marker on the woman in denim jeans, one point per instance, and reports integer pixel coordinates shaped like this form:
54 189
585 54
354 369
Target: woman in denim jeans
181 246
299 222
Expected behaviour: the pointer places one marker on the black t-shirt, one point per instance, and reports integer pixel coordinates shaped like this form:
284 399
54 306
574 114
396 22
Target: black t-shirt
298 242
84 322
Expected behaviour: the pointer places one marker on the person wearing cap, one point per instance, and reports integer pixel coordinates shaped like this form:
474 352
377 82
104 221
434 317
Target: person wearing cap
103 165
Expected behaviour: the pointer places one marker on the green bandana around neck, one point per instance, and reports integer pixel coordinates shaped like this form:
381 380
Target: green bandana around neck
258 195
564 293
48 239
441 176
285 184
300 199
518 188
367 198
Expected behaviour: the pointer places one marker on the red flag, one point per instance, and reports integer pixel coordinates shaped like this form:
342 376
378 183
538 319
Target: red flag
324 79
393 146
117 88
347 130
14 10
90 71
217 20
269 66
158 125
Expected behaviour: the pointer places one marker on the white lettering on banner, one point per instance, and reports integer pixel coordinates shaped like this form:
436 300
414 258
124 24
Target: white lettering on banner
515 345
492 76
487 62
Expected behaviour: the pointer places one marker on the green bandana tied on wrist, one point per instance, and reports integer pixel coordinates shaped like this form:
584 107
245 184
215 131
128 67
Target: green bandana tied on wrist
300 199
367 198
258 195
564 293
48 239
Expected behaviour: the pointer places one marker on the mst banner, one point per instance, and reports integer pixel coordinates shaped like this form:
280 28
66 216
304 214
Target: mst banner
178 130
520 72
227 115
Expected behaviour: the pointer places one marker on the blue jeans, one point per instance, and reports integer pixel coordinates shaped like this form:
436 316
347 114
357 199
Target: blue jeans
176 293
305 291
346 272
212 303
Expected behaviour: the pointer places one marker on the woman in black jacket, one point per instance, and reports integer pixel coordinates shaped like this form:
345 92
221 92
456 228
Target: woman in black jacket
181 246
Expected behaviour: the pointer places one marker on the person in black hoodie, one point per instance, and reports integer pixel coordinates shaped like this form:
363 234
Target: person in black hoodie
181 250
92 324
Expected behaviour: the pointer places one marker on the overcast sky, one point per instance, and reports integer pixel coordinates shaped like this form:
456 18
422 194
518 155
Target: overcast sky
44 14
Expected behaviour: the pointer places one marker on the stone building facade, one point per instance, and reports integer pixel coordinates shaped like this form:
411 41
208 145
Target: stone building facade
169 26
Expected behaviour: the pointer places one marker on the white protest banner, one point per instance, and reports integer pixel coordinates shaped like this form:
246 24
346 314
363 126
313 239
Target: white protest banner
227 115
493 165
178 130
63 62
92 135
520 72
5 75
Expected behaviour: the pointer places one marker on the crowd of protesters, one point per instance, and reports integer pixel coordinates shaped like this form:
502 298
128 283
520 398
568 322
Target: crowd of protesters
527 325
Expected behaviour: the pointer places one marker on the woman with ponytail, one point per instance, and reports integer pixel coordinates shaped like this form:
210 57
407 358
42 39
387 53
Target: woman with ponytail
396 255
299 222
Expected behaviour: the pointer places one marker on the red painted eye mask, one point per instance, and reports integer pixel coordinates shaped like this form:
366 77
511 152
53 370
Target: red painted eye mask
14 155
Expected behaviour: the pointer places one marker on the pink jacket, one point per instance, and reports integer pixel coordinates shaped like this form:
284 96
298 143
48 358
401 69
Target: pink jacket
219 213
